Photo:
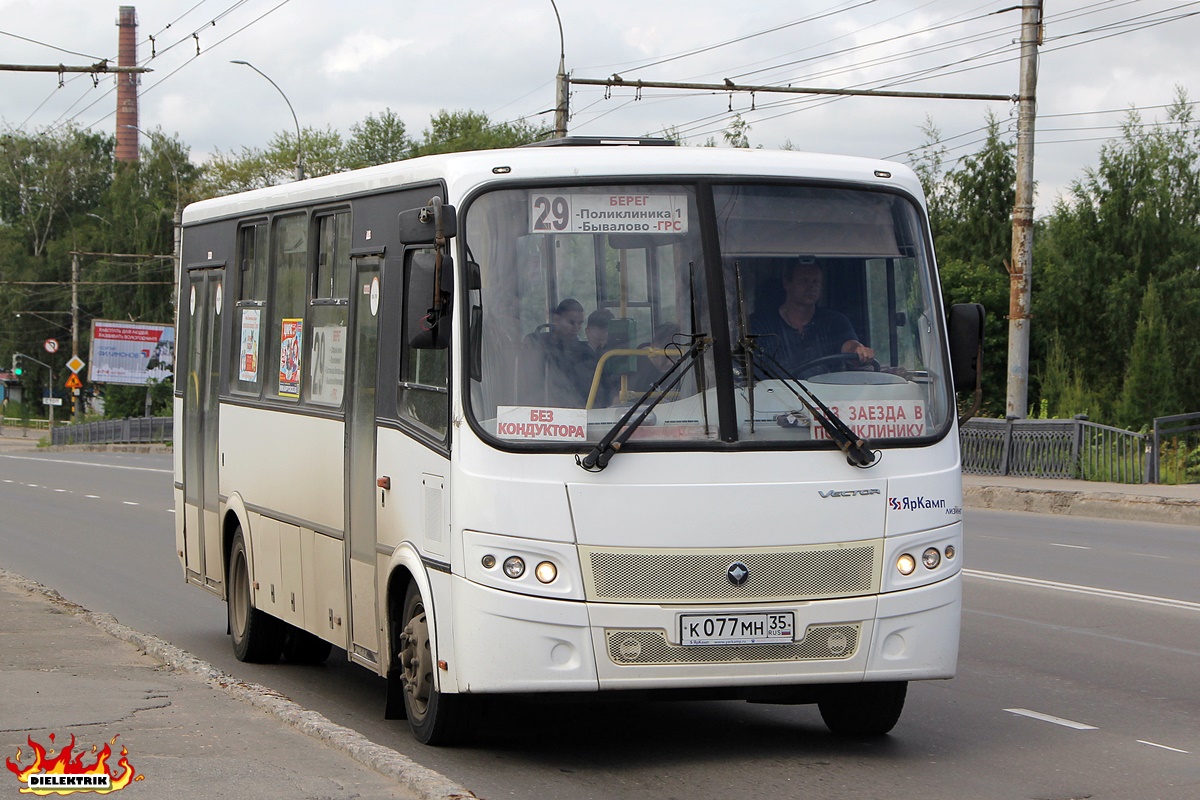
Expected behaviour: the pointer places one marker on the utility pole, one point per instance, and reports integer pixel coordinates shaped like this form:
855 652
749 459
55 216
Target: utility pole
1021 266
77 394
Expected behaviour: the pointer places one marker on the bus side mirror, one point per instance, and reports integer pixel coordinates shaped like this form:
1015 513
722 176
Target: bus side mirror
429 287
420 225
965 325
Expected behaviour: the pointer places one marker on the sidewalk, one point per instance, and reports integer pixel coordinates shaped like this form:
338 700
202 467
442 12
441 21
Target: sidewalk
1178 505
187 730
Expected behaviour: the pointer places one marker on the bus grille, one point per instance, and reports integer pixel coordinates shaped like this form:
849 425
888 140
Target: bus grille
701 576
651 647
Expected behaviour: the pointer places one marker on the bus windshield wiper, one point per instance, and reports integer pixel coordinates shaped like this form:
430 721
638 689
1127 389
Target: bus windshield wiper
857 450
612 441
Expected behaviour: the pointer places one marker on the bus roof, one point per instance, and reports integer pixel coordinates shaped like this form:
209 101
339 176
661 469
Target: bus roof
463 172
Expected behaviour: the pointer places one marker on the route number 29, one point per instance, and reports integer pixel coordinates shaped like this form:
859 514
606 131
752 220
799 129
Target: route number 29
551 213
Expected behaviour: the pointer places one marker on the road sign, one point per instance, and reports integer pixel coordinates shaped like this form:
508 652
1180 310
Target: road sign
51 345
75 364
52 401
73 382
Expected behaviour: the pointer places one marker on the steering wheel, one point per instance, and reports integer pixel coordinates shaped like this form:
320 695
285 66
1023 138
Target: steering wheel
838 362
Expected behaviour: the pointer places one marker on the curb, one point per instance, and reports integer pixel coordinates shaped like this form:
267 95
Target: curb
1106 505
423 781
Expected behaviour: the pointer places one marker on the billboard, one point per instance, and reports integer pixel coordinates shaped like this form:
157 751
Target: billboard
131 352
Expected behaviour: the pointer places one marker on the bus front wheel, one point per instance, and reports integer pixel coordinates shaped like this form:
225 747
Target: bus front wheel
257 636
435 718
863 709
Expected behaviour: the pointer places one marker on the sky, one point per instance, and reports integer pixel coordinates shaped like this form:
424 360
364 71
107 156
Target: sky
339 62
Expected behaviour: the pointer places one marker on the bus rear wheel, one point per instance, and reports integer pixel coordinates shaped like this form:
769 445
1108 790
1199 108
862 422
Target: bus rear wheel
863 709
435 718
257 636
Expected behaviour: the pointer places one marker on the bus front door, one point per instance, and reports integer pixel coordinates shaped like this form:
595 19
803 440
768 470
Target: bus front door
201 527
361 490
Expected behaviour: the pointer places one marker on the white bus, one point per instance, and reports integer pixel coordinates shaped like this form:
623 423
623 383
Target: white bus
578 419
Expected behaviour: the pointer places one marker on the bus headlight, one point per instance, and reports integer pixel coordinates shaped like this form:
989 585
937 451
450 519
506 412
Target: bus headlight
514 567
488 561
546 572
905 564
931 558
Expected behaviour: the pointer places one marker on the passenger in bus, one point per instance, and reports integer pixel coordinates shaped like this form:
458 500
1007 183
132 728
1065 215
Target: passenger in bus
799 331
596 331
556 366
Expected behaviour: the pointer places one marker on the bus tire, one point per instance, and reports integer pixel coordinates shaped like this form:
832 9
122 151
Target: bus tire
863 709
302 647
435 718
257 636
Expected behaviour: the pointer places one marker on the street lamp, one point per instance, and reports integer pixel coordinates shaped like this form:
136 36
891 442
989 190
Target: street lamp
562 91
299 152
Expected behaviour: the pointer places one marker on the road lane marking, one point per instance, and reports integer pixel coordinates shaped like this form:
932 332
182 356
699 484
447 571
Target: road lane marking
1164 747
130 503
1094 591
88 464
1066 723
92 496
1150 555
1072 546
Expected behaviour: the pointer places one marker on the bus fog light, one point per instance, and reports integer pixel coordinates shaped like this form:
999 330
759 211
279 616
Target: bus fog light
488 561
931 558
950 552
546 572
514 567
906 564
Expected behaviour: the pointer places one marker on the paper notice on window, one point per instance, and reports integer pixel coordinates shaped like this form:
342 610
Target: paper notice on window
541 424
636 212
290 357
248 352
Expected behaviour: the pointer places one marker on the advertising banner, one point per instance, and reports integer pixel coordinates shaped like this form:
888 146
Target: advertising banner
132 353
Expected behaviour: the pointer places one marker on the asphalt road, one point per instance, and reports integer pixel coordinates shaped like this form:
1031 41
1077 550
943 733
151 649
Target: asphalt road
1078 671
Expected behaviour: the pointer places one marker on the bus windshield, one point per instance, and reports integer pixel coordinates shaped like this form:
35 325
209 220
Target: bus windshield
587 295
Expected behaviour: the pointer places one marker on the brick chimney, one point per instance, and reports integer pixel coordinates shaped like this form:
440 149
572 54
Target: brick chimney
127 85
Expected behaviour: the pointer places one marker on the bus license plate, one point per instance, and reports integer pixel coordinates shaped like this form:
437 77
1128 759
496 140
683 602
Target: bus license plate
727 629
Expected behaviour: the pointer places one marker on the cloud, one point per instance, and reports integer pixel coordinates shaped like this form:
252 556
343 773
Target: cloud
358 51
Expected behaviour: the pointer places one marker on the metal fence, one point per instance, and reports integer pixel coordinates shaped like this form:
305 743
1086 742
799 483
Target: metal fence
134 430
1054 448
1175 455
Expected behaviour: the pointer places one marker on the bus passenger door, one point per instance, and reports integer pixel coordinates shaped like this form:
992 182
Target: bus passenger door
361 531
202 529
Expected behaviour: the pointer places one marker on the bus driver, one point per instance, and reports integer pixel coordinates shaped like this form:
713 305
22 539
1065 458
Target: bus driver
800 331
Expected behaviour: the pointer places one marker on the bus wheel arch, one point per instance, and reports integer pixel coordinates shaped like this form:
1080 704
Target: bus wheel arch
256 635
413 693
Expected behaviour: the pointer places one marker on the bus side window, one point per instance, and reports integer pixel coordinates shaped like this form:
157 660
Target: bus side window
288 298
246 373
423 395
329 312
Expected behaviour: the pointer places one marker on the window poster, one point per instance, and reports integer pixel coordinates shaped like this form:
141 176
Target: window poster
248 353
328 364
290 335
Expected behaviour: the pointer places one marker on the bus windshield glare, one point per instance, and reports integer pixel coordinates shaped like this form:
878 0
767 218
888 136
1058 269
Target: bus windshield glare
587 295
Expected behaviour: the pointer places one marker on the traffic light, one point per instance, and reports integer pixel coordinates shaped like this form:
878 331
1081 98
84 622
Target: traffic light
17 369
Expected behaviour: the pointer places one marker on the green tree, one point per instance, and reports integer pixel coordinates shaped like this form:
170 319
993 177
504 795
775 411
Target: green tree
378 139
738 132
969 209
455 131
1133 218
49 175
1149 390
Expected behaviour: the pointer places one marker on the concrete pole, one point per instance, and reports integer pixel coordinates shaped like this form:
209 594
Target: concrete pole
1021 266
76 394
